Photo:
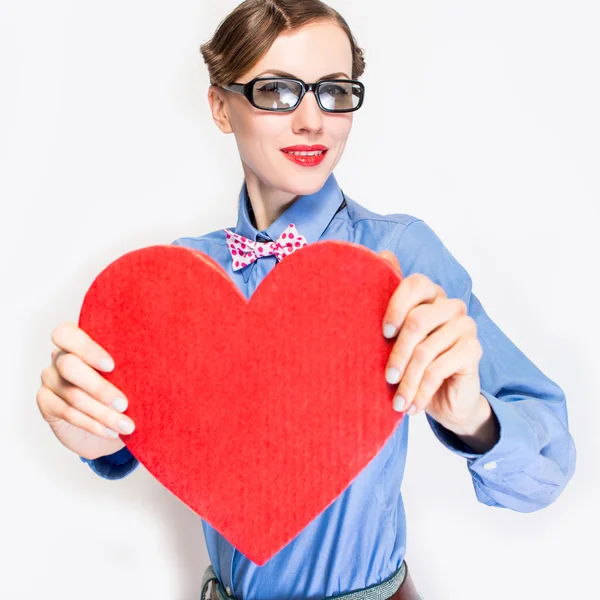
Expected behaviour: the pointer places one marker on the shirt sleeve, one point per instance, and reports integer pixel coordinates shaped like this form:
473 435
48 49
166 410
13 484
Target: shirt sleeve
114 466
121 463
535 455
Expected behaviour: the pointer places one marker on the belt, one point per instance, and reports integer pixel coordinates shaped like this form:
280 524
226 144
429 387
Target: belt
399 586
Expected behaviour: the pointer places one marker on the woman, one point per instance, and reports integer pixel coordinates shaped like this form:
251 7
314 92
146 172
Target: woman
483 398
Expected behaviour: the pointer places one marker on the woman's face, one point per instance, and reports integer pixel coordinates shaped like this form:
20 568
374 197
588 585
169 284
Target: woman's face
313 52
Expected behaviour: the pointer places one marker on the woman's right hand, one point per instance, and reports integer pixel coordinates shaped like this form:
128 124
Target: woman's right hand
82 408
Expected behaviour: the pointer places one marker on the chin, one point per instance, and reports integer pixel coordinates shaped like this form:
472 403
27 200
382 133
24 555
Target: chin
306 190
305 184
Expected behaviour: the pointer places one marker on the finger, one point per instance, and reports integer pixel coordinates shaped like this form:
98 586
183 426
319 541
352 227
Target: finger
460 359
426 353
393 259
74 371
412 291
54 408
420 322
56 353
71 338
78 399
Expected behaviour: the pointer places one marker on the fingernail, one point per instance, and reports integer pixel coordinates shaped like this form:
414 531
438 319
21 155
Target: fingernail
119 404
106 364
389 330
126 426
412 410
399 403
392 375
111 433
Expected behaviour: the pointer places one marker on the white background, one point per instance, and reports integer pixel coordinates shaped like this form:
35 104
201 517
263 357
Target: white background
480 118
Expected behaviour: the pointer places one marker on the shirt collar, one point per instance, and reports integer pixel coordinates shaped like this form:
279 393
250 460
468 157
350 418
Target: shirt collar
311 214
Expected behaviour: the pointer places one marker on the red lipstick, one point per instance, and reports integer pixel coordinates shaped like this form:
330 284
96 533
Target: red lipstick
303 159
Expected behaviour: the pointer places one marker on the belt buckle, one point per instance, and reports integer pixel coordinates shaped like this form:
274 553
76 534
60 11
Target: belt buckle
217 592
211 590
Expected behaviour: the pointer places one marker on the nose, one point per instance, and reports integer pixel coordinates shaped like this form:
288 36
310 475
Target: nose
308 116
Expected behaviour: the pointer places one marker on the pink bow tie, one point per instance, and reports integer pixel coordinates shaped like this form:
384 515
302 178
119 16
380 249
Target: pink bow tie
245 251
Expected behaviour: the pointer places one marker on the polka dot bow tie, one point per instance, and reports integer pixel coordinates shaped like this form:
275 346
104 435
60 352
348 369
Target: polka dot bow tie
245 251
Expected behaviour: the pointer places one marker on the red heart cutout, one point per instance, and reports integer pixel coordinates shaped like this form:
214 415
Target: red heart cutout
257 415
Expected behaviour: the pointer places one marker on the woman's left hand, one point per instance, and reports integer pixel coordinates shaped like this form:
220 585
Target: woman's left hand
436 355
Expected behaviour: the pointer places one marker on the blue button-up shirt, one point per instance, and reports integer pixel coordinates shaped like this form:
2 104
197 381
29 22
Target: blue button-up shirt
360 539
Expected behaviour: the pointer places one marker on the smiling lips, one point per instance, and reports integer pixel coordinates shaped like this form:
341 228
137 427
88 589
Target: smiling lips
307 156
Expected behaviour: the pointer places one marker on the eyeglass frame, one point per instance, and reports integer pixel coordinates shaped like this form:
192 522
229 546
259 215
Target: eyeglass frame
245 89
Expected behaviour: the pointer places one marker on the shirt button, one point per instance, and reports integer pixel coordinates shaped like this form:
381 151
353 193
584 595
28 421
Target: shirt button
490 465
228 590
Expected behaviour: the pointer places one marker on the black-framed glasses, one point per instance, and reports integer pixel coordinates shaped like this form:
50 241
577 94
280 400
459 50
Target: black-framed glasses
283 94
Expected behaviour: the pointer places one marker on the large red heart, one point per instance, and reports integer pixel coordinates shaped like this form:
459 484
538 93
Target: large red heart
259 414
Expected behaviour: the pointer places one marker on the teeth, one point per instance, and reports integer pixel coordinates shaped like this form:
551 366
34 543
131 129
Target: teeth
315 153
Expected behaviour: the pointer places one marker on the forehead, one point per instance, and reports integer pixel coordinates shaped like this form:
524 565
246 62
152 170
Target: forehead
310 52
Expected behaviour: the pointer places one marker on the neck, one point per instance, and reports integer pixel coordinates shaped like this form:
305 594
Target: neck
268 203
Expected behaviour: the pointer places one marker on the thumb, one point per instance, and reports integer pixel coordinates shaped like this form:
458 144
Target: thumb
392 259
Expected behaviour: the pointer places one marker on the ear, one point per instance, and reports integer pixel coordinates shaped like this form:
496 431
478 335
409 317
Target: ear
219 108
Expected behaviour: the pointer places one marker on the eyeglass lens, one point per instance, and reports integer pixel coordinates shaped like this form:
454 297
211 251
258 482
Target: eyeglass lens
285 93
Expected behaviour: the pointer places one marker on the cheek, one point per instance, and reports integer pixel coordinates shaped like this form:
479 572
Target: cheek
249 123
261 134
340 130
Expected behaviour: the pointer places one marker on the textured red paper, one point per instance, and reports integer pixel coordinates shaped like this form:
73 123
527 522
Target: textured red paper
257 415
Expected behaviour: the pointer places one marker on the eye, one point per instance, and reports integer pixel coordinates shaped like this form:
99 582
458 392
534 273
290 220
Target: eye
273 86
334 90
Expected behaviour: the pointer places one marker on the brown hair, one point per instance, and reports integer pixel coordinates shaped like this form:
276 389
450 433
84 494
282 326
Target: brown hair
247 33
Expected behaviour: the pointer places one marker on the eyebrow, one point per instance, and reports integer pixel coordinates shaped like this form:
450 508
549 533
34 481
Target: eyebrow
286 74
